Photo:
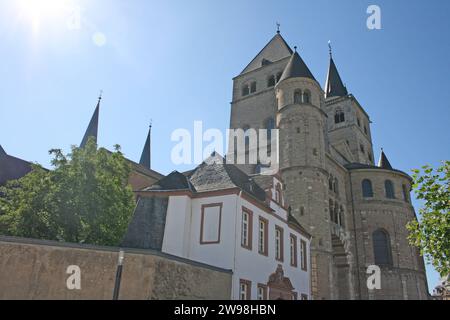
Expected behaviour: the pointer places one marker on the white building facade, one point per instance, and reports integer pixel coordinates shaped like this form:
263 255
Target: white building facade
266 249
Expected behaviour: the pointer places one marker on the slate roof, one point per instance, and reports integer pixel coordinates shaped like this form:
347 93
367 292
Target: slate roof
213 174
296 68
173 181
12 168
334 87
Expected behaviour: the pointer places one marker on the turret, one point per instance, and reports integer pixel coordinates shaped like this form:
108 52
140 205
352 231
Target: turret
348 123
300 118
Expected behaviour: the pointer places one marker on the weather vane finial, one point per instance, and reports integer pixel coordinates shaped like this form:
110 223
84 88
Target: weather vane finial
151 123
278 27
100 95
329 48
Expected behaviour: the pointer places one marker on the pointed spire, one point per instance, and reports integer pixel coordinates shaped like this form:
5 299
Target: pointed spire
146 152
296 68
334 87
2 152
384 162
92 128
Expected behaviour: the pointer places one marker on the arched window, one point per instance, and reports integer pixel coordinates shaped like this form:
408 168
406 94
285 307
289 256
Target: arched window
306 97
271 81
336 214
269 125
405 193
339 116
341 217
367 190
330 208
298 96
381 247
246 129
389 189
336 186
278 194
253 87
245 90
330 183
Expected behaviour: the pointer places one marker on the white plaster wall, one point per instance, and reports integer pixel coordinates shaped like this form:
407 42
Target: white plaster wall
255 267
182 238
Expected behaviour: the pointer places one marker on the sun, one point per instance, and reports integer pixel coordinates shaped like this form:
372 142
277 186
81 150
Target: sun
39 11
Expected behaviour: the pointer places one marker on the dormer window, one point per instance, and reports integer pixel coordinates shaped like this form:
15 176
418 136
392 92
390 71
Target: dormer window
278 194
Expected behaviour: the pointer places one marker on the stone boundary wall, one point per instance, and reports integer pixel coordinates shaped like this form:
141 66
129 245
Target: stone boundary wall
37 269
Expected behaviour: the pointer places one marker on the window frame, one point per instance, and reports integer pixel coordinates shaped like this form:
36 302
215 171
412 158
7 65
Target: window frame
388 254
249 213
265 240
389 189
211 205
303 255
298 96
264 289
280 248
367 193
248 291
293 250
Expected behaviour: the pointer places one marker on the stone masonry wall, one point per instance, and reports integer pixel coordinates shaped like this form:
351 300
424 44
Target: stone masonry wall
33 269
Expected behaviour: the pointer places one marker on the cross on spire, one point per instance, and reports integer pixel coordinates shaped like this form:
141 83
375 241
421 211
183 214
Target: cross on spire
329 48
278 27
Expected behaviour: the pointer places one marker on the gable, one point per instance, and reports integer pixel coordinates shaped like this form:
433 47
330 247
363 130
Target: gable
275 50
344 151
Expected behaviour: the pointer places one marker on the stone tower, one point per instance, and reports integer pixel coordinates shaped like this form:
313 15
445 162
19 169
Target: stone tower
302 121
356 211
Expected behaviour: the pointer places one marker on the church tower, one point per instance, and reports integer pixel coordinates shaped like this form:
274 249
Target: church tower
348 123
301 121
355 211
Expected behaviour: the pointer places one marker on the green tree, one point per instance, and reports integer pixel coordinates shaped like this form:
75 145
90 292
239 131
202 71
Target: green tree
85 199
432 233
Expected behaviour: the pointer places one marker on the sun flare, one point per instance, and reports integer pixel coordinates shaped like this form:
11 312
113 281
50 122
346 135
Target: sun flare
39 11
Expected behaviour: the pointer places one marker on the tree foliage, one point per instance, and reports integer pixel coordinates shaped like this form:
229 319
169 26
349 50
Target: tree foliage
85 199
432 233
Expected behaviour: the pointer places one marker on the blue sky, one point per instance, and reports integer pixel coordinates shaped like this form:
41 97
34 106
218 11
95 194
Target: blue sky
173 61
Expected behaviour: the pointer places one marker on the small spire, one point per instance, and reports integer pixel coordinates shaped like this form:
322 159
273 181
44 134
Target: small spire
384 162
146 152
334 87
278 27
92 129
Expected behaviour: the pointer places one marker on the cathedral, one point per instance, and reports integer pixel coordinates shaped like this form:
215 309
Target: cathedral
355 210
312 230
